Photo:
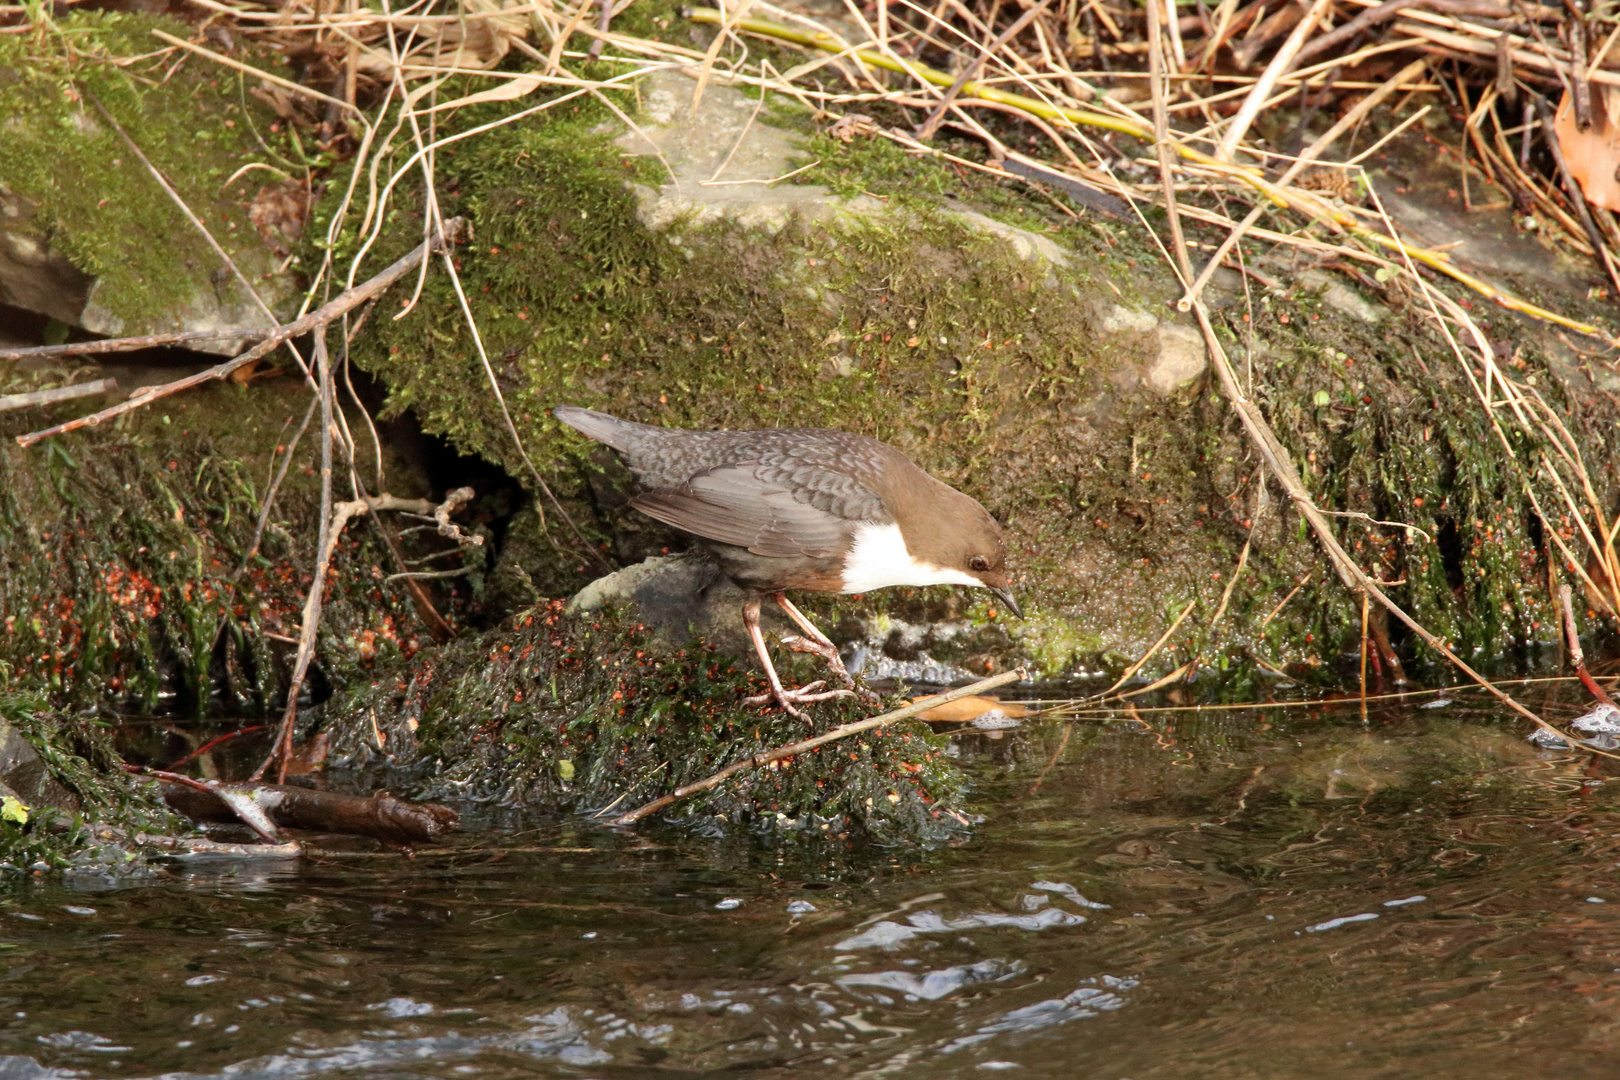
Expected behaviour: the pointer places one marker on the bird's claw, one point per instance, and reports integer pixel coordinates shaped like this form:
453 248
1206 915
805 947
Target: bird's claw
788 700
834 661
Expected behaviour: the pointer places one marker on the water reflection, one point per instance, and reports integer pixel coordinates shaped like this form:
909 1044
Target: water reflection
1212 895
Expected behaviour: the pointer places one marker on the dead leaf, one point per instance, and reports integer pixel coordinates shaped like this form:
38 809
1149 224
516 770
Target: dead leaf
1593 155
310 757
278 211
964 710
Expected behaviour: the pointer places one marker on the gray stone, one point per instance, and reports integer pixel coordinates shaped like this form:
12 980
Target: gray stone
23 773
723 163
1339 296
678 596
1181 360
1123 320
720 161
1031 247
33 276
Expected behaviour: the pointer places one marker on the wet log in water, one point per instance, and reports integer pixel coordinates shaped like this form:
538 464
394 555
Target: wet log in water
381 815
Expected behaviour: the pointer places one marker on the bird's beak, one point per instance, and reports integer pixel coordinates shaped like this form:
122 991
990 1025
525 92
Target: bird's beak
1006 597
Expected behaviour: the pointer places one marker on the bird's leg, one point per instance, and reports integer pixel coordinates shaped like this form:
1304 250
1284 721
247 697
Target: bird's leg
789 700
818 644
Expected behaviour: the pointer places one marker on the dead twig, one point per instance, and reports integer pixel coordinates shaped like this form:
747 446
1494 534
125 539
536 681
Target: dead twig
281 751
61 393
926 129
130 344
1577 658
1280 65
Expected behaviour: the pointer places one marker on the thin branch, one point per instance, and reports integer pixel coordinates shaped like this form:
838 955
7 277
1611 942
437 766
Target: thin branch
1577 658
130 344
325 542
61 393
1279 66
927 128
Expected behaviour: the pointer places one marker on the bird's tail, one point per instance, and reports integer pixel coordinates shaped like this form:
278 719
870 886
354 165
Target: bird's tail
622 435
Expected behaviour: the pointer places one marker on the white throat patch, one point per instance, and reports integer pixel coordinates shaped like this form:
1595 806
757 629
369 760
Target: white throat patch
878 558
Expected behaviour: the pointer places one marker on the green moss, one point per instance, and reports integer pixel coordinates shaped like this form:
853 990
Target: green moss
97 204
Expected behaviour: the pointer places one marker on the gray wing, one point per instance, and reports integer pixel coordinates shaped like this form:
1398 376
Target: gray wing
781 510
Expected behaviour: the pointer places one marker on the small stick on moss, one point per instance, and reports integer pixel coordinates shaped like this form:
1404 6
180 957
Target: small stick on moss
842 732
455 230
1577 658
604 19
1284 601
1231 583
1157 645
61 393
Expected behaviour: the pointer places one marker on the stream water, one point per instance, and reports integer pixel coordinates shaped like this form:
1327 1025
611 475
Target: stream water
1283 893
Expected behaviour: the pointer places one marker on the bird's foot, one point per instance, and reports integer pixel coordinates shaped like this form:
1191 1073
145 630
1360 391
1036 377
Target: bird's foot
829 653
789 700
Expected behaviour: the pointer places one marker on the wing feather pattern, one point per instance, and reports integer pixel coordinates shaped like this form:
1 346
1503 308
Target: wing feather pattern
781 510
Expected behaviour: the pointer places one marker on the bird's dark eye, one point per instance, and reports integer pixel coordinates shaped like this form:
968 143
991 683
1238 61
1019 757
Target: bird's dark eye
979 562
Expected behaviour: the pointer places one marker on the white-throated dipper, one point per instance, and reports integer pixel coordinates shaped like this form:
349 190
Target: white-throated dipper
805 508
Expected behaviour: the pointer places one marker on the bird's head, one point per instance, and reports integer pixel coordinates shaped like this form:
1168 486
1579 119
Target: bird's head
982 555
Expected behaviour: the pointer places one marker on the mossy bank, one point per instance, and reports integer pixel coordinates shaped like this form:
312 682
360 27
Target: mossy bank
1012 349
1017 347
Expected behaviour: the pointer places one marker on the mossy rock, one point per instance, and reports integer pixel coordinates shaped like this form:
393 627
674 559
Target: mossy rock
64 800
87 235
130 576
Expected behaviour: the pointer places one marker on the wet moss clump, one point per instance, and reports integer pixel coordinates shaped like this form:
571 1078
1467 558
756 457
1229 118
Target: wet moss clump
582 713
85 811
1380 431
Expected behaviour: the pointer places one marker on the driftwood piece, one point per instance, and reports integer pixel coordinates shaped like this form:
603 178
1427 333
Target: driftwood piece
380 816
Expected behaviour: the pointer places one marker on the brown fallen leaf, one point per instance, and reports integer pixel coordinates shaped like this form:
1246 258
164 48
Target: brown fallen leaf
278 212
964 710
1594 154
